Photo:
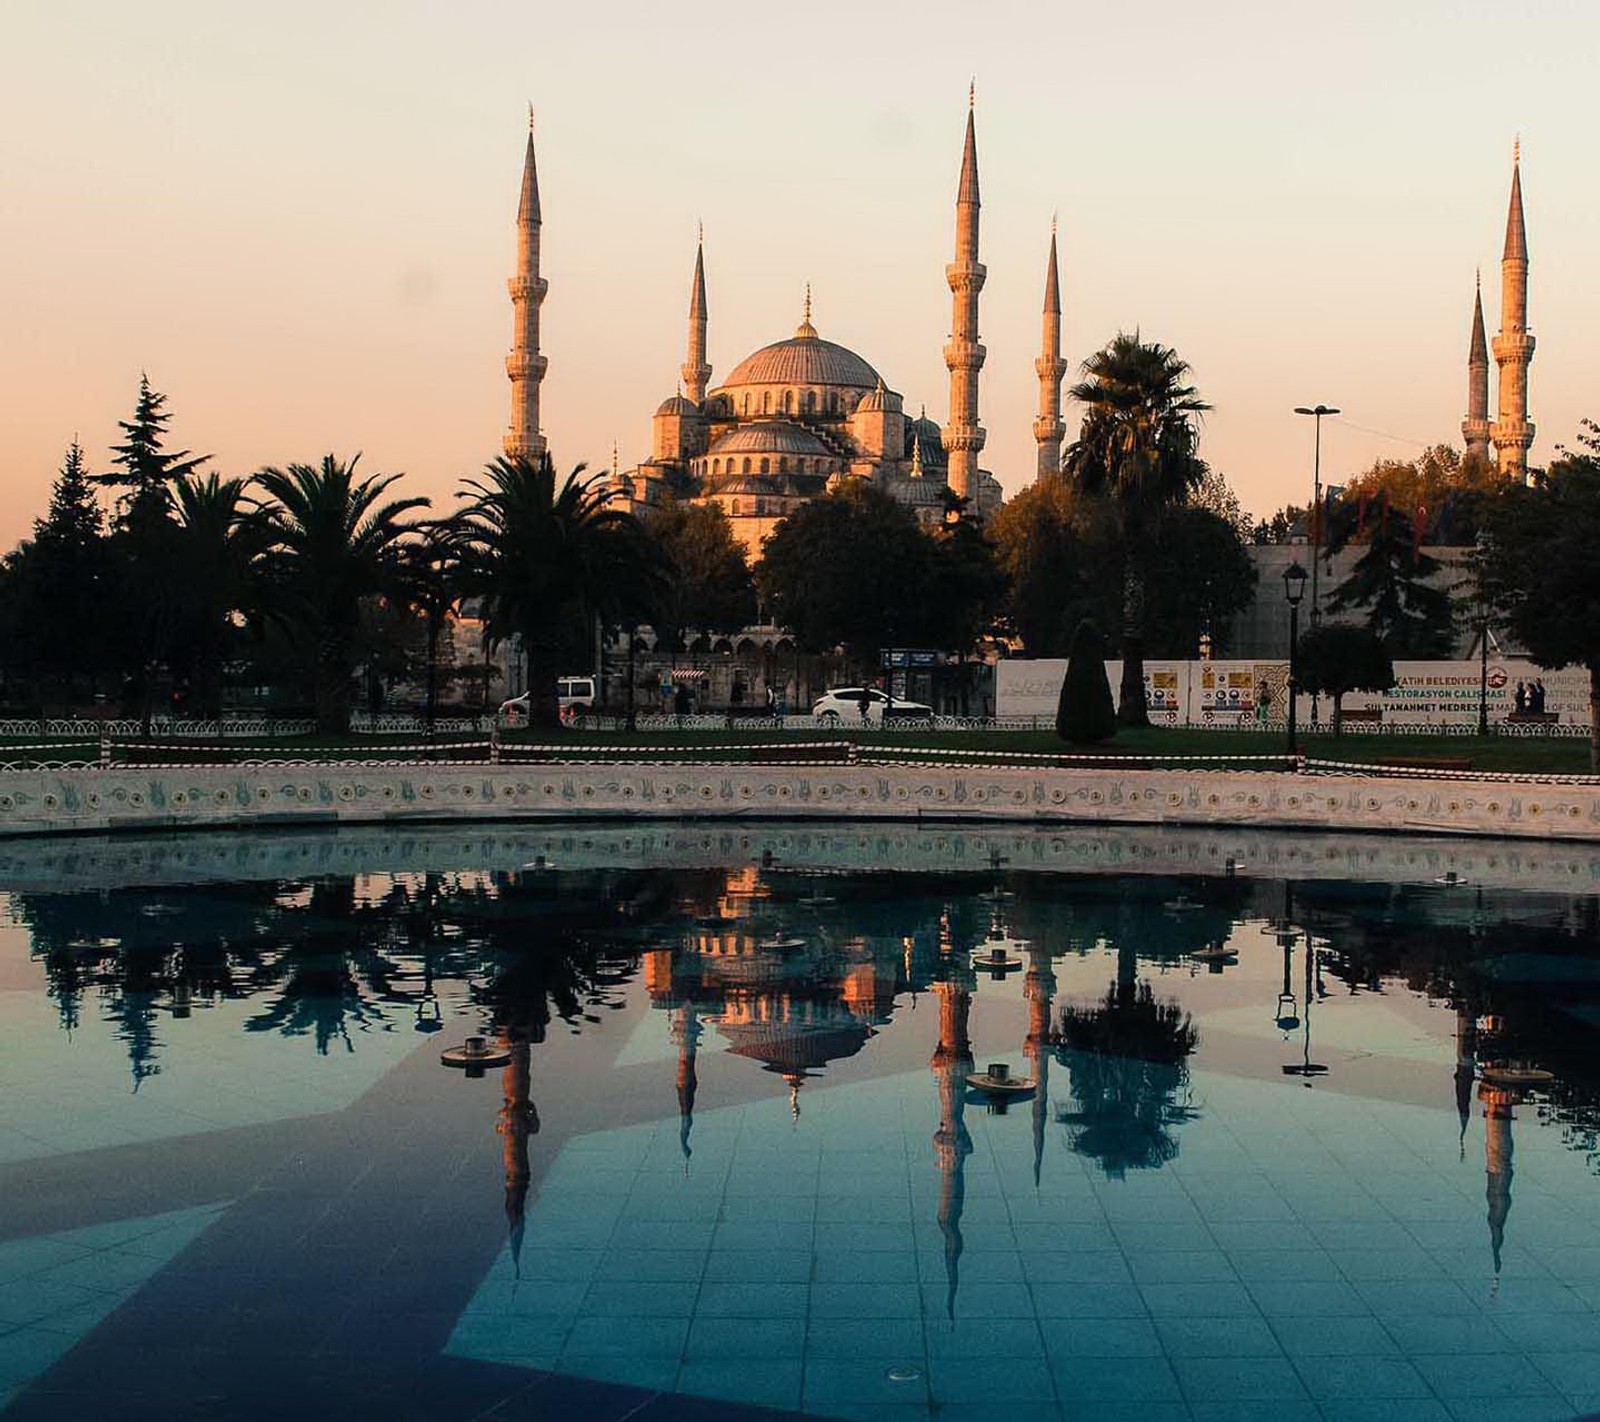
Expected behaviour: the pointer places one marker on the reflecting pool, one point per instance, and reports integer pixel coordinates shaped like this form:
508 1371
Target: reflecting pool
1289 1128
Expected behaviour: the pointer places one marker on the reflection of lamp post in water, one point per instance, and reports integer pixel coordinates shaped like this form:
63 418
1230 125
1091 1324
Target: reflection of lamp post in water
1305 1067
1287 1017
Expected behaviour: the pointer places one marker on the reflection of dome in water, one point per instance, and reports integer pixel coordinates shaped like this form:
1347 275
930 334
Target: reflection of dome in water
795 1048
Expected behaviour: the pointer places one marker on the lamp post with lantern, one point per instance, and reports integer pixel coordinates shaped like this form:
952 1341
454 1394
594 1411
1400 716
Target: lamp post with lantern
1294 588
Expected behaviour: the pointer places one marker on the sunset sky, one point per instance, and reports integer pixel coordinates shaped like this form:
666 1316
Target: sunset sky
298 217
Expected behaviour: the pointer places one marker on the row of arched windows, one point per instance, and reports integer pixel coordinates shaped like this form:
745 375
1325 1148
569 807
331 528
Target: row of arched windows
763 465
789 402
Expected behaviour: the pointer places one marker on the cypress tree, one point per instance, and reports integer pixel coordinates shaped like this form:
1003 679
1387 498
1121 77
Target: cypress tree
1085 714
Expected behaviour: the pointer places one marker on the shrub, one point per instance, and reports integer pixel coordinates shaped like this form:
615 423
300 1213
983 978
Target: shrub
1085 714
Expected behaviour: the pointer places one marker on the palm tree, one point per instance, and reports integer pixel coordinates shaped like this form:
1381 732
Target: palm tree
330 541
215 549
549 556
1137 448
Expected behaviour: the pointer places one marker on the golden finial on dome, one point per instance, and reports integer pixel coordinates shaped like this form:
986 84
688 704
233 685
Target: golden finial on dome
805 328
1516 149
972 92
530 115
916 456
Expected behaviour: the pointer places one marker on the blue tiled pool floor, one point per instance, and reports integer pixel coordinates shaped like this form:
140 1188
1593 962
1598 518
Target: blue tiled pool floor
1305 1255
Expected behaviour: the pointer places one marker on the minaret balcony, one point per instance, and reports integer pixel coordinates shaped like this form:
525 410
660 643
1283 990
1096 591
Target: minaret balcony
966 276
1050 369
526 365
1514 346
1046 430
964 355
963 437
524 288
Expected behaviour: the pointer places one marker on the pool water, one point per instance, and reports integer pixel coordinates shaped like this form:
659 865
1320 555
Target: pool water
1304 1129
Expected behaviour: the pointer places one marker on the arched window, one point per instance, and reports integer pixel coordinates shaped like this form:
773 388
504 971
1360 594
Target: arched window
811 402
747 402
833 402
783 464
747 465
788 402
766 402
716 467
765 465
735 509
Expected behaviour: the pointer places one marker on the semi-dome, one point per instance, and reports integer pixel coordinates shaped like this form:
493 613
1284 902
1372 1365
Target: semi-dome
803 360
677 405
881 399
771 437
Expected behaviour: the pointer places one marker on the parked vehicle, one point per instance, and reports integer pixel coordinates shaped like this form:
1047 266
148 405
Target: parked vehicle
575 695
857 704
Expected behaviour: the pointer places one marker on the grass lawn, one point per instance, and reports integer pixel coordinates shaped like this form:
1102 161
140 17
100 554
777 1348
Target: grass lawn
1547 754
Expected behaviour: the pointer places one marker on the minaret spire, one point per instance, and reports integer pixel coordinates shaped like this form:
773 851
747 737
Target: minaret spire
1513 344
696 369
1475 428
525 366
963 355
1048 429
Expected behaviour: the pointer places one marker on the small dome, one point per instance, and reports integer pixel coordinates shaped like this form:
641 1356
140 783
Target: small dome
771 437
881 399
677 405
803 360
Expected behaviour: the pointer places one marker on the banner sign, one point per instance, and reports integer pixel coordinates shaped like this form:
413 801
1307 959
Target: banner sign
1426 695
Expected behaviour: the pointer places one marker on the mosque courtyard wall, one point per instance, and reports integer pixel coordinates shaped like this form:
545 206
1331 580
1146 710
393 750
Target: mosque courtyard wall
34 802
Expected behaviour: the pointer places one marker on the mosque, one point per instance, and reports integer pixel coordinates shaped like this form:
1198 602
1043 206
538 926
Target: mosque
804 414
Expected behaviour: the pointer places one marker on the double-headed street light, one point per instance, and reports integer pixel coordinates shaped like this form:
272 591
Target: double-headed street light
1294 588
1317 412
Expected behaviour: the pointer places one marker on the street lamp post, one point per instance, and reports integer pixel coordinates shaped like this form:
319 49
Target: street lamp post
1294 588
1317 412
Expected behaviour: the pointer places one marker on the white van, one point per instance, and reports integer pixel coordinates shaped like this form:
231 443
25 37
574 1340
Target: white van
574 696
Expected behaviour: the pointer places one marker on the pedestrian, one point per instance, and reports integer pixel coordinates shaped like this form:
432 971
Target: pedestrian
1538 697
866 702
772 705
680 703
1521 700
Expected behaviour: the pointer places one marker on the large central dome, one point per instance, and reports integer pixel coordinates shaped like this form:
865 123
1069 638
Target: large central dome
804 359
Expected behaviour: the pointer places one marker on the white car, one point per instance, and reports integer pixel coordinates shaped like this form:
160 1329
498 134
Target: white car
843 706
574 696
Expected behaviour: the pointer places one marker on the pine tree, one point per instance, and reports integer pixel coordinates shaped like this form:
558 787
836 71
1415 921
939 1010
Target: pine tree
144 469
73 521
1390 585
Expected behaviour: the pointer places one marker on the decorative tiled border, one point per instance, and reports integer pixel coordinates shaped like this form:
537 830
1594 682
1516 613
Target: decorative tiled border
65 801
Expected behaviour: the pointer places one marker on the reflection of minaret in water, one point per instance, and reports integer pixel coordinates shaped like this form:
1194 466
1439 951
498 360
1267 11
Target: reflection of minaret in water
1039 987
686 1030
1466 1067
952 1060
518 1120
1497 1104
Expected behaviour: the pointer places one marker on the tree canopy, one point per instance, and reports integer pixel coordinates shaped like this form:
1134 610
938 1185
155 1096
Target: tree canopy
1540 569
1390 586
1337 658
705 583
854 569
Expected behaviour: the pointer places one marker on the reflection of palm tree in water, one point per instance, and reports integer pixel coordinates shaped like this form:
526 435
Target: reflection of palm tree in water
1127 1060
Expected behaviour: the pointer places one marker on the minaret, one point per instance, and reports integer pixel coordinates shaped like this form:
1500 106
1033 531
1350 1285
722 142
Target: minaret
1513 345
525 366
1475 428
1048 429
696 369
963 356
